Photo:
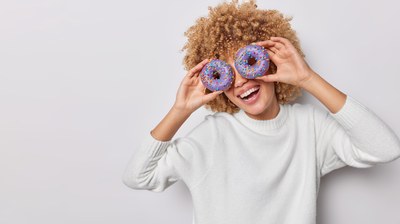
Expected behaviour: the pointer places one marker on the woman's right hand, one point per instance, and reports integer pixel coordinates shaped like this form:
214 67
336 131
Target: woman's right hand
191 94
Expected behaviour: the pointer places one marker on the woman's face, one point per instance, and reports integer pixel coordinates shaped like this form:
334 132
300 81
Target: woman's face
260 104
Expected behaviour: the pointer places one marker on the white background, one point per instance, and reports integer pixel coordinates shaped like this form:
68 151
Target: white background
81 83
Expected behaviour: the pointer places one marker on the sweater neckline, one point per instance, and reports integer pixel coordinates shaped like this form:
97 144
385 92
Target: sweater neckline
263 126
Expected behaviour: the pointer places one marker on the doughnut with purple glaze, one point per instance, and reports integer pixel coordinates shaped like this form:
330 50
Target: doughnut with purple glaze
252 61
217 75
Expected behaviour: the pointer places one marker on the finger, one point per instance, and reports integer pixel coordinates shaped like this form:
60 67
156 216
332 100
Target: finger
269 78
282 40
271 55
274 49
279 46
270 52
270 46
197 74
200 84
197 68
265 43
208 97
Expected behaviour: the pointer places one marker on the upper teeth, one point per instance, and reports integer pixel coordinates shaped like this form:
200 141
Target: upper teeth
248 92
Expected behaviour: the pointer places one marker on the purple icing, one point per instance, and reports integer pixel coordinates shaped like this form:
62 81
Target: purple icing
261 65
217 75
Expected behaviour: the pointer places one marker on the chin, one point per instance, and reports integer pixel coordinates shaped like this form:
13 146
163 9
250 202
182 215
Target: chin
255 109
254 97
258 104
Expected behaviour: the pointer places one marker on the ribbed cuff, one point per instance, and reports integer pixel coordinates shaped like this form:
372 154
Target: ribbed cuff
153 147
351 113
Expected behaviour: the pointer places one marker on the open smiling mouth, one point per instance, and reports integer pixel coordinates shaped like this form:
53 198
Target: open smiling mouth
250 94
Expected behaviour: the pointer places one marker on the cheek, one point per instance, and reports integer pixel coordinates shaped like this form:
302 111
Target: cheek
269 90
229 94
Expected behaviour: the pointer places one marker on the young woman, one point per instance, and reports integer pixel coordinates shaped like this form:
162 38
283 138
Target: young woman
258 159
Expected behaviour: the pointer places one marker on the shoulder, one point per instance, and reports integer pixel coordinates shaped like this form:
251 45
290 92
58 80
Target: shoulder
218 119
212 125
209 128
300 109
307 112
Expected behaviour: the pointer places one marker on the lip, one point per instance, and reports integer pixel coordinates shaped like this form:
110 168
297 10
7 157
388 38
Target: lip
253 99
244 90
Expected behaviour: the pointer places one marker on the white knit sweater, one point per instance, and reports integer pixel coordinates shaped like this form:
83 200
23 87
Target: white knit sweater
245 171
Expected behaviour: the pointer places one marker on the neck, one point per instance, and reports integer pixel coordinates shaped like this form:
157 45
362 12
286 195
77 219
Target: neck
266 125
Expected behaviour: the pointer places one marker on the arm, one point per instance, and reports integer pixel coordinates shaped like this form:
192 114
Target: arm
190 97
328 95
156 165
170 124
349 134
353 136
159 162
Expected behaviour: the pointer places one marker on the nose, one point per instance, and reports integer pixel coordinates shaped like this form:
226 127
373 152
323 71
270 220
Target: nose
239 80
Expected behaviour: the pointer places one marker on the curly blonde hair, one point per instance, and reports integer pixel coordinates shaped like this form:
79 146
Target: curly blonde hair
230 26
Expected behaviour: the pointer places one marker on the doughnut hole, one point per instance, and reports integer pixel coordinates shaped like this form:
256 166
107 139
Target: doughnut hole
216 75
251 61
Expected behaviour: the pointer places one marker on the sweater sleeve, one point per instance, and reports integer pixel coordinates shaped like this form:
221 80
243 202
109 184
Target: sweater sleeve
156 165
353 136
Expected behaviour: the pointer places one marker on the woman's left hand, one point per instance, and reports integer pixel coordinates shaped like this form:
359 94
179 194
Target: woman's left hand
291 67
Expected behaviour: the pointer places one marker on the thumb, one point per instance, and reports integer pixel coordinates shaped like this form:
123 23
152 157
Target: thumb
207 98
